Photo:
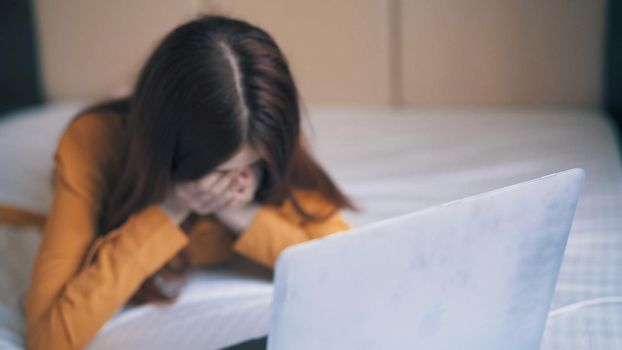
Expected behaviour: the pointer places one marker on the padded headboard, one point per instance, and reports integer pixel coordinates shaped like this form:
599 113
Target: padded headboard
449 53
19 68
391 42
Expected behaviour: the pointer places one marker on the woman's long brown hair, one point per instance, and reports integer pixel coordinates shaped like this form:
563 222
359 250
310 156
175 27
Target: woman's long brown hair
211 85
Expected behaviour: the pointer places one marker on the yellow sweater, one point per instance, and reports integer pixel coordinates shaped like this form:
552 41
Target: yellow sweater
79 280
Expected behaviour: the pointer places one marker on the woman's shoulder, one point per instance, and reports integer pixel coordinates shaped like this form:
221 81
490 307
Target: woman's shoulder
91 138
310 196
311 201
94 125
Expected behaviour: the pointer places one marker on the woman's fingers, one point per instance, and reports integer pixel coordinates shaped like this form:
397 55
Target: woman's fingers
217 202
244 194
184 192
225 196
221 185
220 189
206 183
232 202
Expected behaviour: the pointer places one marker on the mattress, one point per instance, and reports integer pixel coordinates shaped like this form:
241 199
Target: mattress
395 161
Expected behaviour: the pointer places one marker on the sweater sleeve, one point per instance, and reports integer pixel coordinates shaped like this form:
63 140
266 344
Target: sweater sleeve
78 282
275 228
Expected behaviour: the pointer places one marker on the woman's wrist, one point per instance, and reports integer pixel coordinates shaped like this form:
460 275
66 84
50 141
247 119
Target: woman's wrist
238 219
175 212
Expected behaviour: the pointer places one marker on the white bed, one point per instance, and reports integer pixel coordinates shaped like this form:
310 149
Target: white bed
391 161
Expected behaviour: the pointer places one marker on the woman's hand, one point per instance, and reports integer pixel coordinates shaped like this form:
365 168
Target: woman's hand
248 179
241 211
175 206
217 192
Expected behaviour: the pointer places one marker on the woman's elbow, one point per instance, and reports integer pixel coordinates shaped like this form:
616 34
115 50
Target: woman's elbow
51 332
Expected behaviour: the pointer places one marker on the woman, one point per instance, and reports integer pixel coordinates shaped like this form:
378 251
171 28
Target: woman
204 160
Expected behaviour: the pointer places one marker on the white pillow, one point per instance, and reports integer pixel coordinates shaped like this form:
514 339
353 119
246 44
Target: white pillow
12 332
28 139
18 247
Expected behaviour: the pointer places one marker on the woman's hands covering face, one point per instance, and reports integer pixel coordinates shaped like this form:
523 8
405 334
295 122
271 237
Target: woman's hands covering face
220 190
223 193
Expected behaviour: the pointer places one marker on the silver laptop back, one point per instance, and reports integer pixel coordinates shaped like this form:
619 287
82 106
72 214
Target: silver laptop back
476 273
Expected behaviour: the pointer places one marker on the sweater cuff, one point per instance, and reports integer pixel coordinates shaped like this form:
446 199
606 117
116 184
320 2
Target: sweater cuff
266 236
155 238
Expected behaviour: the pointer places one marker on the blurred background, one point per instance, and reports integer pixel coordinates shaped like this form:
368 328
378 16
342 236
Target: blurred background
348 52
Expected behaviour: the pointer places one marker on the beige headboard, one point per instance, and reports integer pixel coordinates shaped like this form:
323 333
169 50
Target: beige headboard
353 52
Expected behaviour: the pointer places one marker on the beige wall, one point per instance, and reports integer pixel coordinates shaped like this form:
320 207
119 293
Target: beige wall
338 53
90 48
502 52
353 52
338 50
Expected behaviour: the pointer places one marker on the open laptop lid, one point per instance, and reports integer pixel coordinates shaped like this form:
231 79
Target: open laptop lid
476 273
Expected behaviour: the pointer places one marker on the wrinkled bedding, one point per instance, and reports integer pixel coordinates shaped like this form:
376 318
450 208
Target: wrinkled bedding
394 161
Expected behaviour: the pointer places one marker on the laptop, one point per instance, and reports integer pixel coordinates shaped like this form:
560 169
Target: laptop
475 273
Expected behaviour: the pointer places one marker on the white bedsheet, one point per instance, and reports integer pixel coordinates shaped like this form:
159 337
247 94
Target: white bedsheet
395 161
